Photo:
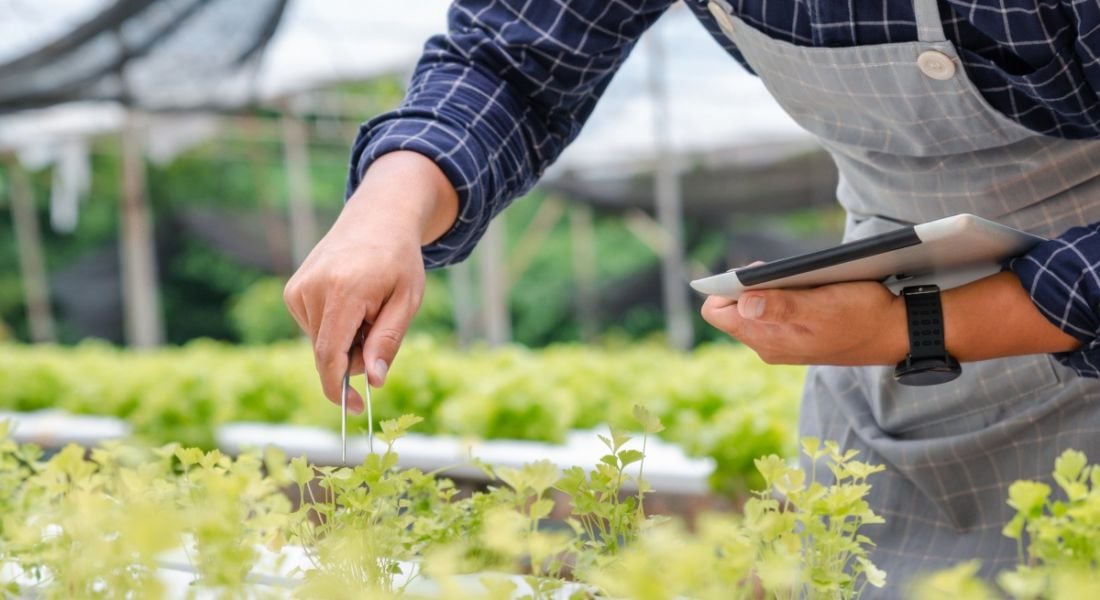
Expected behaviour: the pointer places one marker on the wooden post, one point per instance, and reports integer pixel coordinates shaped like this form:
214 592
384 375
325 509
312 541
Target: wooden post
583 235
281 257
494 284
460 278
303 222
141 299
32 263
667 191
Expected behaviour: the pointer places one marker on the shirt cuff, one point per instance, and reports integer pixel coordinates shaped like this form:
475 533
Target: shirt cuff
450 150
1063 278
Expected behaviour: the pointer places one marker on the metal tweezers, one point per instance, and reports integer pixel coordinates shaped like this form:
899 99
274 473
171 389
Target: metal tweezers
344 412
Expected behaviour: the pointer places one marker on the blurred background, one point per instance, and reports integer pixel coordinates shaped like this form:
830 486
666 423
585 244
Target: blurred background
165 165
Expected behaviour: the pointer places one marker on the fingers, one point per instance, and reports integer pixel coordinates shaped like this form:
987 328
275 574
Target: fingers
722 314
771 306
355 399
295 304
765 306
385 334
340 321
356 361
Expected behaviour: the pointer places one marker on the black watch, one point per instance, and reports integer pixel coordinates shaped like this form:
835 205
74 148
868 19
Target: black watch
928 362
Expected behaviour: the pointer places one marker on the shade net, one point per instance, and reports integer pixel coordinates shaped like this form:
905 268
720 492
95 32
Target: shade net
149 54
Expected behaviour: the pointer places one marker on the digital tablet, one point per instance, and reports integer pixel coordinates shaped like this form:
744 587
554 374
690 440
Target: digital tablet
947 252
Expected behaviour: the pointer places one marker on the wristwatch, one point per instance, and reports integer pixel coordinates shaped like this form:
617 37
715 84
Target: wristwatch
928 362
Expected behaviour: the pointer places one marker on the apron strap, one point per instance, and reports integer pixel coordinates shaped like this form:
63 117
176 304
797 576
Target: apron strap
929 24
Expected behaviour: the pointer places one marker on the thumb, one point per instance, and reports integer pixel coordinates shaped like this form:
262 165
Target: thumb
384 338
772 306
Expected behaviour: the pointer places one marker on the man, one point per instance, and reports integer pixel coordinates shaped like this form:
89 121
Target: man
928 108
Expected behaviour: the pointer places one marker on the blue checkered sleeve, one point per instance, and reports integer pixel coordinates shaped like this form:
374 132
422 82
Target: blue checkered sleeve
1063 277
495 100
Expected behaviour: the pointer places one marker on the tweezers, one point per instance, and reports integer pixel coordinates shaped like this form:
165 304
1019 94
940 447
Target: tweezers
344 414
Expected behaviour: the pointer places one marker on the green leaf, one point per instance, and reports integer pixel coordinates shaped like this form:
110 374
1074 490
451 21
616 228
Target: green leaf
1024 582
618 439
1070 464
811 447
301 472
650 423
1028 497
541 475
275 464
771 467
540 509
630 456
875 576
189 457
395 429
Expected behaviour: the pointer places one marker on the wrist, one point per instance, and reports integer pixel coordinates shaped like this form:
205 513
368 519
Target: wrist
995 317
410 193
897 339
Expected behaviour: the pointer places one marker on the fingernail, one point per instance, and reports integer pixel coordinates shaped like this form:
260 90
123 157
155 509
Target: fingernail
380 369
752 307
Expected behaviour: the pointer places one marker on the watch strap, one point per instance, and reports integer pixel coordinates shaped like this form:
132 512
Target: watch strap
924 314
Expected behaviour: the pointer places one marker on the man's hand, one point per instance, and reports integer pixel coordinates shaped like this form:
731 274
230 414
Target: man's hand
863 323
367 273
842 324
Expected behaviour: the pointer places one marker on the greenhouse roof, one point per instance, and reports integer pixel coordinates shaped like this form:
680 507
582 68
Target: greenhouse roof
206 55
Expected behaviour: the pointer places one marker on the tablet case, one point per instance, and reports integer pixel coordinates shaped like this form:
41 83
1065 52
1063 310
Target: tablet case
947 252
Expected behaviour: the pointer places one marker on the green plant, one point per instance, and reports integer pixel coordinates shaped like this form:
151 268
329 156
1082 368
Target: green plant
98 525
718 401
80 526
796 540
258 314
1058 540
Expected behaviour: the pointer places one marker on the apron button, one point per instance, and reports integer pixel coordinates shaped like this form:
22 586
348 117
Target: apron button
720 15
936 65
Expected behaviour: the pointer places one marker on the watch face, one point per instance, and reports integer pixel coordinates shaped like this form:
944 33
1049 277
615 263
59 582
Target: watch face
928 371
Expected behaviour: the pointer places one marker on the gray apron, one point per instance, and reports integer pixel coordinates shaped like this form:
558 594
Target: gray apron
914 141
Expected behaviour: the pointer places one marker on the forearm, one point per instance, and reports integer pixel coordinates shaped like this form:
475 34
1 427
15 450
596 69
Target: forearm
995 317
495 100
428 202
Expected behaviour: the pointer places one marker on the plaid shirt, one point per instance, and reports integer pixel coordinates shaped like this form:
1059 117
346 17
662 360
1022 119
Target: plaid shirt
495 100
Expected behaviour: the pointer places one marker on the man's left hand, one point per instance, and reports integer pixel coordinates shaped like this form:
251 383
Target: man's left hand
859 323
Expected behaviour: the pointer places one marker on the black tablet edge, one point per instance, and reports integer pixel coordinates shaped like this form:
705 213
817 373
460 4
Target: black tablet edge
796 265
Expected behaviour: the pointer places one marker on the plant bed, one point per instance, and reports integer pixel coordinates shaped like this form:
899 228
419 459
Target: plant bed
101 524
718 402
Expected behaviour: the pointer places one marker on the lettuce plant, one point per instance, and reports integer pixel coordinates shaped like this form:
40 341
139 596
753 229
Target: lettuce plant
100 524
797 539
1058 536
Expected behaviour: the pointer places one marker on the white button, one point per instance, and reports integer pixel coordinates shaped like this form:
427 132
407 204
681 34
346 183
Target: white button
720 15
936 65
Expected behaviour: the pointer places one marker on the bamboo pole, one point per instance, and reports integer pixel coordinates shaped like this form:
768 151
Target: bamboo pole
460 279
274 231
141 299
678 325
494 284
303 221
583 236
32 262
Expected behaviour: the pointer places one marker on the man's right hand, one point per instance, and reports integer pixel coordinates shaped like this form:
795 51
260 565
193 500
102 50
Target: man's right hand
367 272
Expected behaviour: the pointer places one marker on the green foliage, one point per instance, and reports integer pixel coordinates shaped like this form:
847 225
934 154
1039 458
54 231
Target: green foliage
1059 540
796 540
718 401
97 526
259 315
